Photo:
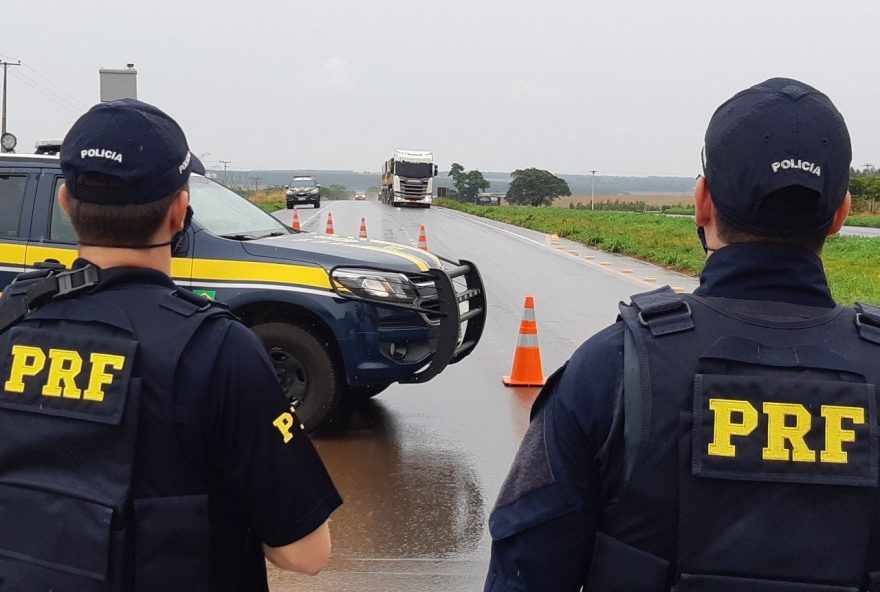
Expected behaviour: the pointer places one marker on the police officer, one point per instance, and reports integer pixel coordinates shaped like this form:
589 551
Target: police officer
726 440
147 444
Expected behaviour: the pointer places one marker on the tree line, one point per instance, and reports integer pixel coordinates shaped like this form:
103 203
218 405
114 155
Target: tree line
528 187
864 187
537 187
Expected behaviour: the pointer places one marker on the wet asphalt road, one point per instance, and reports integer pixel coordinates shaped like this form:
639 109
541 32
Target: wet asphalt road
419 466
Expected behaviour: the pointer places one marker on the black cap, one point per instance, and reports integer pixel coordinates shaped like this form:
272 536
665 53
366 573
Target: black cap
137 148
776 135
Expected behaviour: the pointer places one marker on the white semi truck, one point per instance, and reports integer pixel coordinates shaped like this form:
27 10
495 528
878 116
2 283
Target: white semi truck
408 178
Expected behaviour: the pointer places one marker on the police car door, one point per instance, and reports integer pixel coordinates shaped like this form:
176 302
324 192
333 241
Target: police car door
52 238
18 186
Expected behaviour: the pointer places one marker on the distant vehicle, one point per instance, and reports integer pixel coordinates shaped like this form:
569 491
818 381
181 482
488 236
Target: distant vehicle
303 190
408 178
489 199
360 195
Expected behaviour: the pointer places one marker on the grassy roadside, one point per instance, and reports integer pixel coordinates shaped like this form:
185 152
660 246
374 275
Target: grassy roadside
852 263
272 206
863 220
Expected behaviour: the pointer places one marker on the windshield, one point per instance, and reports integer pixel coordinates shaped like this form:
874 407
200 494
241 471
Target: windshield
222 212
414 170
302 183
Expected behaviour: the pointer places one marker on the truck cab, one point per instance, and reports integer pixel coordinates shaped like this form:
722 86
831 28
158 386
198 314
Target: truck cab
408 179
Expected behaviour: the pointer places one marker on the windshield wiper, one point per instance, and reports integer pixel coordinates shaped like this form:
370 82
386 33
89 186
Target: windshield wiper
240 237
243 236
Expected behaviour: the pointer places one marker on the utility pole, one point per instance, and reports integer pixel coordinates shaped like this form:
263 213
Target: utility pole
225 164
593 189
3 117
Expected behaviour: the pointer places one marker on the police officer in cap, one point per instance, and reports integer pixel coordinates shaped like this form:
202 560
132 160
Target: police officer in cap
726 440
146 442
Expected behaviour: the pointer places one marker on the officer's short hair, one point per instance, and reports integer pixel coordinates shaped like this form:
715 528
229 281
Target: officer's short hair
781 200
105 225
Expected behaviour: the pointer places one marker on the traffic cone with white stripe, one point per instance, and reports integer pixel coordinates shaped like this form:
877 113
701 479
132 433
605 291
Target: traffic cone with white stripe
295 225
363 231
423 240
329 229
527 370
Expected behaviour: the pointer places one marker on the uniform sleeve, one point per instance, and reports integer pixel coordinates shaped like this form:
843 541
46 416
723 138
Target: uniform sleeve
546 515
260 447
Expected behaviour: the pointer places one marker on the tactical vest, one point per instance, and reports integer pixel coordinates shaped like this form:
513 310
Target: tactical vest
80 375
753 440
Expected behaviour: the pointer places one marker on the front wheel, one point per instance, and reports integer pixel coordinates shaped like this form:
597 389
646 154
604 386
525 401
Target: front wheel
309 375
317 204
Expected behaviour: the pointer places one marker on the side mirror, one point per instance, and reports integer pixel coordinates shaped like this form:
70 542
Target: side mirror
435 170
287 186
319 185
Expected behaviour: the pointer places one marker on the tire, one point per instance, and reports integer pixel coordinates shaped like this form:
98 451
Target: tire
362 393
317 205
310 377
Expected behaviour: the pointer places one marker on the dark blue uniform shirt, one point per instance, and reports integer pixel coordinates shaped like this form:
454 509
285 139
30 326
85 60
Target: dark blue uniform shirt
263 486
548 510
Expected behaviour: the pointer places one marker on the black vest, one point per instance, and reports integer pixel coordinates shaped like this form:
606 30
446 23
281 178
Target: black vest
87 384
755 441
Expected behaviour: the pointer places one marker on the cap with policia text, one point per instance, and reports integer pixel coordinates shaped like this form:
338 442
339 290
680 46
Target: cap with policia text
126 152
777 158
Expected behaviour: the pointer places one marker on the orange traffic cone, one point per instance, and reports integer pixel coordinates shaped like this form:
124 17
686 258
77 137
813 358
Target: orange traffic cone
295 225
363 232
423 240
527 370
329 229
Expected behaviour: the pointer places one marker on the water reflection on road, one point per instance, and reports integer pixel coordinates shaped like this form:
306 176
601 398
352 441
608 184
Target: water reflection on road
404 497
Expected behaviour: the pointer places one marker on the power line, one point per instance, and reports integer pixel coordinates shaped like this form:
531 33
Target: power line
62 89
48 93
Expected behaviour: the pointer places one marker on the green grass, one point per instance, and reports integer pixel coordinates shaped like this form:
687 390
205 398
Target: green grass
272 206
852 263
863 220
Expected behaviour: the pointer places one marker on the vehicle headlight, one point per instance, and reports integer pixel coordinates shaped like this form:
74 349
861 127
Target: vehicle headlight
375 285
315 190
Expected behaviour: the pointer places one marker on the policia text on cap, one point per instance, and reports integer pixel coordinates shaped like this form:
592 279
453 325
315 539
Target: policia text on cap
726 440
139 420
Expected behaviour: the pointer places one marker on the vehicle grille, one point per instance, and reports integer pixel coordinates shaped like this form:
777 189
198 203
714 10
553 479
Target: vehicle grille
428 299
413 190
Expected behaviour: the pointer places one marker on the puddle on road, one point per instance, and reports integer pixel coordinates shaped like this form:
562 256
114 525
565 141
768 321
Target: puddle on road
405 497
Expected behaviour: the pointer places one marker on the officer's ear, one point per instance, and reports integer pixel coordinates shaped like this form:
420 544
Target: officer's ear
177 211
840 215
704 209
64 199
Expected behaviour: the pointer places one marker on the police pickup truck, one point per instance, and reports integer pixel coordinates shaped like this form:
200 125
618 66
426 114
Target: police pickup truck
340 317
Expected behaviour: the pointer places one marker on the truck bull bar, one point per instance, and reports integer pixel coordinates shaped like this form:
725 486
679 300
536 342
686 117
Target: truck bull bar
455 343
458 332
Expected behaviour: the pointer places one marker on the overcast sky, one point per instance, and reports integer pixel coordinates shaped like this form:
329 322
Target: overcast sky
624 87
